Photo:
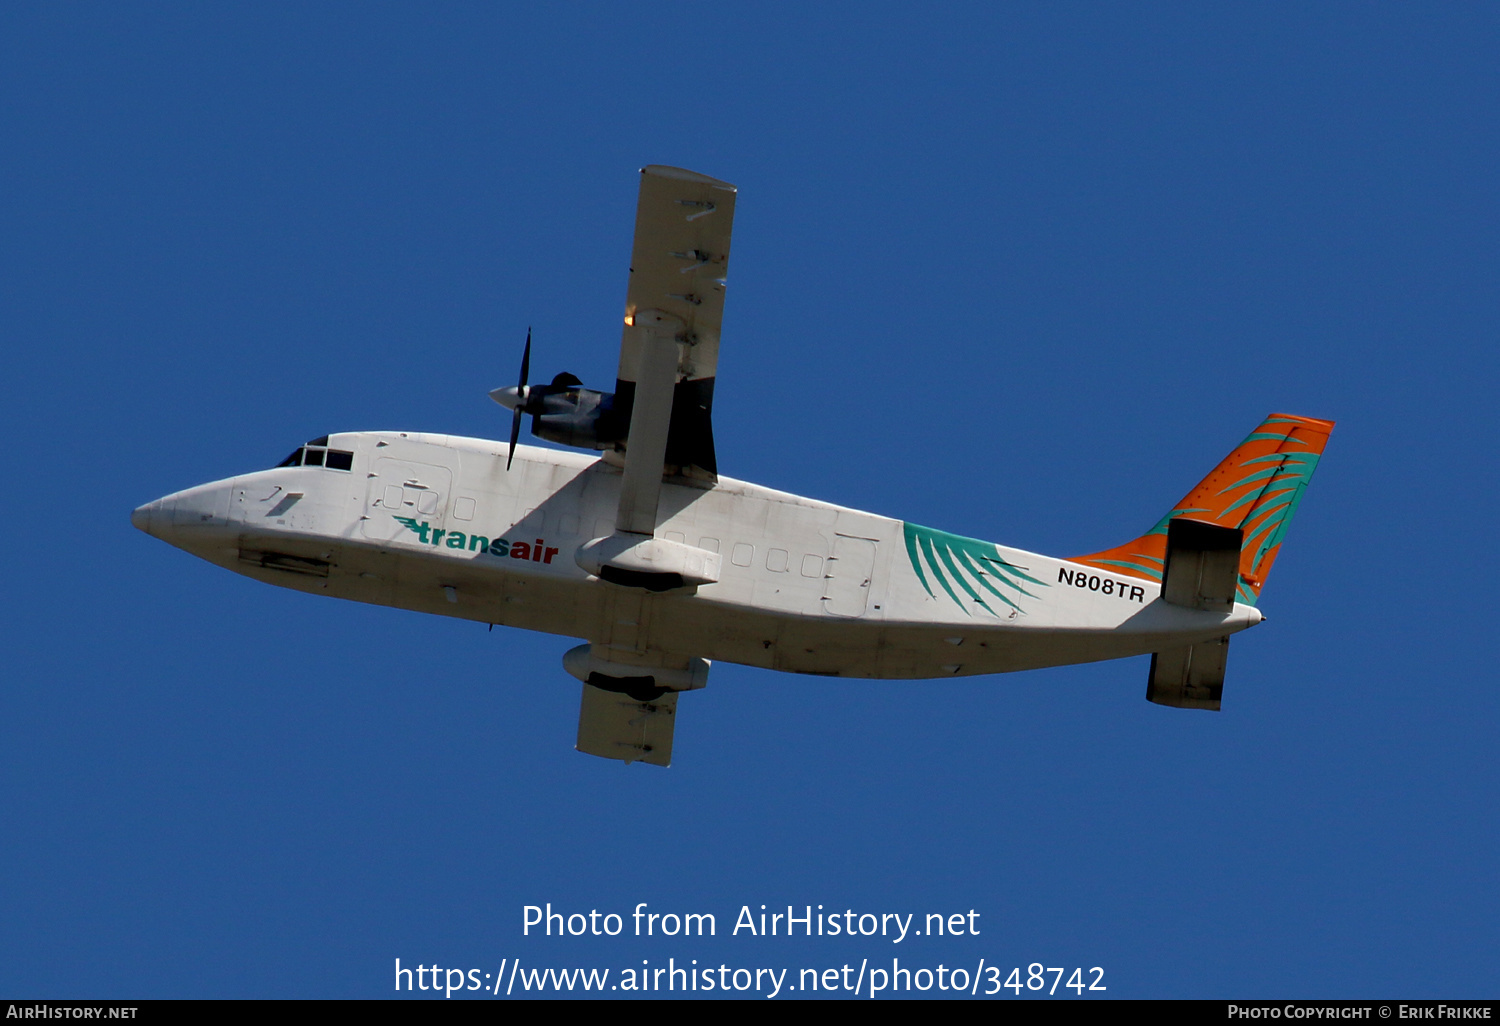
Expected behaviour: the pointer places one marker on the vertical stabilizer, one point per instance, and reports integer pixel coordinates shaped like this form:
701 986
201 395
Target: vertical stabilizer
1256 489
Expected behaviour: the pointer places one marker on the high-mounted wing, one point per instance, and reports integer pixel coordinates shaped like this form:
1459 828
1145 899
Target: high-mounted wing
668 358
674 307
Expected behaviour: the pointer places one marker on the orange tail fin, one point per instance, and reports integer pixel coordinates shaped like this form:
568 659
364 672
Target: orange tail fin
1256 488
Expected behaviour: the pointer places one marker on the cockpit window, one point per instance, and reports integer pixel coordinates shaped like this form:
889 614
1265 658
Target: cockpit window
313 455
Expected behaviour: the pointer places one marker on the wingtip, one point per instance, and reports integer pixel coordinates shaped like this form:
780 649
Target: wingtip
683 174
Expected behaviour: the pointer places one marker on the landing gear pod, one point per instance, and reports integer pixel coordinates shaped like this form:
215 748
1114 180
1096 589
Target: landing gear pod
612 675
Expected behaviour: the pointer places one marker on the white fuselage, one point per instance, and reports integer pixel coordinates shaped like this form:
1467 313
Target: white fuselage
437 524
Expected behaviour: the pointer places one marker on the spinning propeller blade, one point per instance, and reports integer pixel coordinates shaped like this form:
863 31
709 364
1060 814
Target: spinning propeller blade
515 420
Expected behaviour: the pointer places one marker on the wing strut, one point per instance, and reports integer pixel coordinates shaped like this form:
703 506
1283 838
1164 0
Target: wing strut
650 420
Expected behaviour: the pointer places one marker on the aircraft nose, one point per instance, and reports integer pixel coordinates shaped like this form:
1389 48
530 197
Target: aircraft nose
187 515
153 517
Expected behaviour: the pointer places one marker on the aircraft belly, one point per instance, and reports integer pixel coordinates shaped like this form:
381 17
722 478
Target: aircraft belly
821 644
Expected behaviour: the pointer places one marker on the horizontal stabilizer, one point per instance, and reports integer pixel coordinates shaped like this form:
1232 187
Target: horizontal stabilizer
1191 677
1203 564
616 726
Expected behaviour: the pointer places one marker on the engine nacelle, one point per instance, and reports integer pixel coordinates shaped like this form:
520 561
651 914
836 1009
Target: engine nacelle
579 417
643 682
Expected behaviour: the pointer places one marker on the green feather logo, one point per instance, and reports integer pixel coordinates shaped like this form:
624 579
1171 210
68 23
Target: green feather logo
974 567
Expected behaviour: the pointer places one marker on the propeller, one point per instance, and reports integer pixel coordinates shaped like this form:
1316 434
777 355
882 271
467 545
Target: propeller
521 390
525 398
517 399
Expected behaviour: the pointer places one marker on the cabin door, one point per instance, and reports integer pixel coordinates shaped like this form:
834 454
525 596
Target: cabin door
846 585
401 488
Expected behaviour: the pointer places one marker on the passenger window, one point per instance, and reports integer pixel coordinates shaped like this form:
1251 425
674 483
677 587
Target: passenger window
675 536
744 552
392 499
711 544
463 508
776 560
812 566
427 502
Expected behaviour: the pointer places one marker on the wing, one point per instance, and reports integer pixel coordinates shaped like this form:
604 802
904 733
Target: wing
674 307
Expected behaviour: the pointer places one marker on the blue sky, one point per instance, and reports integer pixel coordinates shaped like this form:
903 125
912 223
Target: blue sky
1023 272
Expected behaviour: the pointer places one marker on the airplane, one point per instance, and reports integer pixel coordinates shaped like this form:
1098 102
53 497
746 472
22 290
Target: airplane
639 547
